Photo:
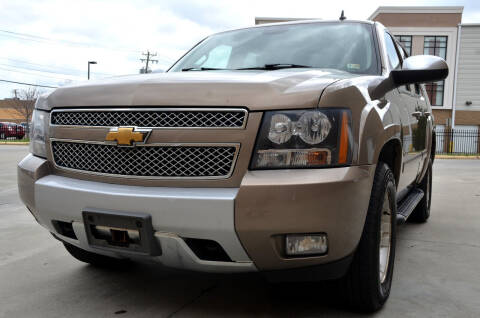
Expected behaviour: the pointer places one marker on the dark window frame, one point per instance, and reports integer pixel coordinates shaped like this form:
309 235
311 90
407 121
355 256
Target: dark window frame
432 90
408 49
436 45
435 87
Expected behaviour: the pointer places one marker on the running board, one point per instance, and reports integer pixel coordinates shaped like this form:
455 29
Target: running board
408 204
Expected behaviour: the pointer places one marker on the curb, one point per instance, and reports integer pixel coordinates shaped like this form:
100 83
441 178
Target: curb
16 143
456 157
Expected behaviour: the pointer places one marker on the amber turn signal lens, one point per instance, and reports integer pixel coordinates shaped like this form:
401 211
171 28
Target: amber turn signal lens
343 149
317 157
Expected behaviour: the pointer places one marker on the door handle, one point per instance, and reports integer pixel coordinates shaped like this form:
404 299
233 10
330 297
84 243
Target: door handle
417 114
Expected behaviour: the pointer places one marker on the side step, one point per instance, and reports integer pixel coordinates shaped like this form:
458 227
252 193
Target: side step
407 205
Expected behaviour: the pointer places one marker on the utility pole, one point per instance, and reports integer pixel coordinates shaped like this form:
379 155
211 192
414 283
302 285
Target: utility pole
148 60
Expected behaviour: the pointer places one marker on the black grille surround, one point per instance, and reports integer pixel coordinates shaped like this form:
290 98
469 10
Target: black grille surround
149 161
151 118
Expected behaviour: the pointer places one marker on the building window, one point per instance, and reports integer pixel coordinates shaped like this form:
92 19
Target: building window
406 41
435 92
435 45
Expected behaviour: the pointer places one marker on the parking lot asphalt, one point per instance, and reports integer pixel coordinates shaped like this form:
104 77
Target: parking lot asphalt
437 268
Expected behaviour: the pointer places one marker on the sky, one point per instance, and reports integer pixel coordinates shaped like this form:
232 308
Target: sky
49 42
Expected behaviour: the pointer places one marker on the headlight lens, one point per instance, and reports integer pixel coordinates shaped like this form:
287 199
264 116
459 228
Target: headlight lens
37 133
304 138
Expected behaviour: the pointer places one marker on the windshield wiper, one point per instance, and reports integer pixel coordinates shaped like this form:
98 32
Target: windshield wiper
275 66
202 69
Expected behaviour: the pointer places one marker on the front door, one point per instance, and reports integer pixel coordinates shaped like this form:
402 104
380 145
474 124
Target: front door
407 103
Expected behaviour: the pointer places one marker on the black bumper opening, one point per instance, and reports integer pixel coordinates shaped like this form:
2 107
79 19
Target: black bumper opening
207 250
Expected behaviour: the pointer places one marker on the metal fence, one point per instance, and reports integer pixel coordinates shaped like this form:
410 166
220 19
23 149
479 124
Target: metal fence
458 141
10 131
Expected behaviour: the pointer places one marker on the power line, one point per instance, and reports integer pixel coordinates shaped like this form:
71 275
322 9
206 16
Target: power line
41 39
29 84
73 72
37 70
32 74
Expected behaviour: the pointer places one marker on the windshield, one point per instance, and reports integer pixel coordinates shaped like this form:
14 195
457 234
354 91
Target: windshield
342 46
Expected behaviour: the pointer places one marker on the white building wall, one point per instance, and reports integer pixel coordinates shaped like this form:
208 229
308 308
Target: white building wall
468 76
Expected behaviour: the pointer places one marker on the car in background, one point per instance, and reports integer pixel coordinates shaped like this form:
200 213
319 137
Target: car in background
9 130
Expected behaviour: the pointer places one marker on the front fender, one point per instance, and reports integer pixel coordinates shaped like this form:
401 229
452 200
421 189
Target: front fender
374 122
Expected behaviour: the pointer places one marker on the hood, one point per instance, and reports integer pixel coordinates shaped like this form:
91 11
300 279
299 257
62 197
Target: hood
256 90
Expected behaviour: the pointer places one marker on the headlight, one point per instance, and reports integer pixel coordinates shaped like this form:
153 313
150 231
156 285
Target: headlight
37 133
303 139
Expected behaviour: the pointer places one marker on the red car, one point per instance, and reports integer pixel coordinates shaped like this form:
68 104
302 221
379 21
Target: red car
11 130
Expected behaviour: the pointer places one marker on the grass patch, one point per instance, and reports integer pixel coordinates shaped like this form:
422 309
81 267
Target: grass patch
459 154
14 140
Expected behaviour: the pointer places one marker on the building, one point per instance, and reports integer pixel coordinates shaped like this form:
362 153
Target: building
438 31
467 82
8 113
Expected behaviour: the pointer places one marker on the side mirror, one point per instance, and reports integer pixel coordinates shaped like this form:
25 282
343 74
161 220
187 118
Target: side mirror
420 69
416 69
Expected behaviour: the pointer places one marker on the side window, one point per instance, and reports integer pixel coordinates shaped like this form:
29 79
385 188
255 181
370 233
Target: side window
403 56
393 57
417 89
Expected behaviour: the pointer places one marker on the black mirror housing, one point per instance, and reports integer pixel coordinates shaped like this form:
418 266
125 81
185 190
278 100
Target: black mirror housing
415 70
420 69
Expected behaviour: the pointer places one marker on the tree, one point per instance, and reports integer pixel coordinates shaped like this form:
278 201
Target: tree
23 102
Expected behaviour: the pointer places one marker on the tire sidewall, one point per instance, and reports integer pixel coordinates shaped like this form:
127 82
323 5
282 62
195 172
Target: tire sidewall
428 187
384 288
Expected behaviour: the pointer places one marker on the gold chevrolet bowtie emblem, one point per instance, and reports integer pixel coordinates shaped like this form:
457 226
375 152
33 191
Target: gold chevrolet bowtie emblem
127 136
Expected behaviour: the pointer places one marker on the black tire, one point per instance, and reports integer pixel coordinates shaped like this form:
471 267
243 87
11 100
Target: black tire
96 260
422 210
363 285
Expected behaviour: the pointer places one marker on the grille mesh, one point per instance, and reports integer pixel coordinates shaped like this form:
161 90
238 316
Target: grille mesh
152 118
151 161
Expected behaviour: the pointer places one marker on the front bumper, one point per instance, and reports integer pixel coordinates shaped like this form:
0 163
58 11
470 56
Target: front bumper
249 222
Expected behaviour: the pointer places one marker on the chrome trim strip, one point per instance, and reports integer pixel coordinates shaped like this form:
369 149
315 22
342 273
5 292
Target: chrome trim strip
232 168
159 109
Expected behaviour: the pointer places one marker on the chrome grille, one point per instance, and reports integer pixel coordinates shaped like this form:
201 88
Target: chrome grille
152 118
155 161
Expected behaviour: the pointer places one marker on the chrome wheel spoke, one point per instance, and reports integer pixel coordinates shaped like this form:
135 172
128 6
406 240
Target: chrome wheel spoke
385 238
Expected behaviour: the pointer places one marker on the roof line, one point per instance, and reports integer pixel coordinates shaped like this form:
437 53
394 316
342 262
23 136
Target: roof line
416 9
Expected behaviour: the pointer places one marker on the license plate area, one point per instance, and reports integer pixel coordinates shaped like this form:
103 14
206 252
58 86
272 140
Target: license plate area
124 231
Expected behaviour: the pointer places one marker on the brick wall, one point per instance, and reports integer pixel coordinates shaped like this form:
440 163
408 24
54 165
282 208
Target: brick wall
462 117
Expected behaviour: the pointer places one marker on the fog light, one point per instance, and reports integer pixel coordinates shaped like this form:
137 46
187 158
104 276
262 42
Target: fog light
301 244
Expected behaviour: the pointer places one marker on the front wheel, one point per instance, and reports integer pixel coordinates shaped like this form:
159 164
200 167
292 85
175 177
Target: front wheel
369 279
